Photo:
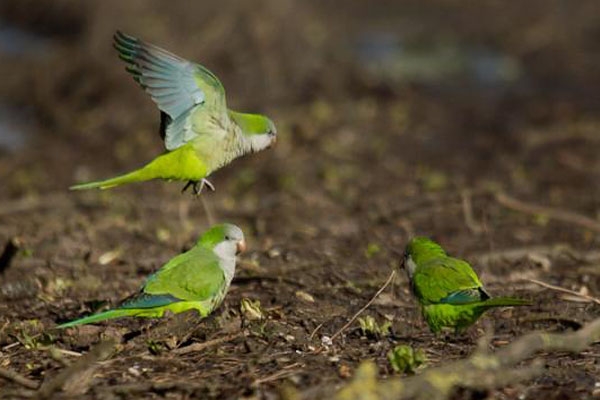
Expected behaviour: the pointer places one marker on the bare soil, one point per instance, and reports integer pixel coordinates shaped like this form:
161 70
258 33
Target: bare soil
370 152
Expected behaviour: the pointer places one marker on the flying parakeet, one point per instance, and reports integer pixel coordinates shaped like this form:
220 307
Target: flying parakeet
197 279
448 290
201 135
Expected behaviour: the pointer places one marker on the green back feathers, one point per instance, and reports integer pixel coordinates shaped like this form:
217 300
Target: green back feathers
439 278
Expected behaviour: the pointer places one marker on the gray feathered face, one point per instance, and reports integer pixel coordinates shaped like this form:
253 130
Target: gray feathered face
409 265
232 241
258 130
226 240
418 251
263 135
235 237
262 141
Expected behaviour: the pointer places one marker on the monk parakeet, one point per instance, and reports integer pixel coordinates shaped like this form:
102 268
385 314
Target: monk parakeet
197 279
448 290
201 135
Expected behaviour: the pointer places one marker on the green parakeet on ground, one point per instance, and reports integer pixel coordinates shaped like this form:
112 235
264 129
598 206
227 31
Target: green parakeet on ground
448 290
201 135
197 279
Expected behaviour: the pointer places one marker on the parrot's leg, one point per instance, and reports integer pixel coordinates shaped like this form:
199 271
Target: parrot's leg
197 186
187 185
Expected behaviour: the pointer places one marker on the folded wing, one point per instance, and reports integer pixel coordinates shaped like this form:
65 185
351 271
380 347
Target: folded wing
448 280
191 276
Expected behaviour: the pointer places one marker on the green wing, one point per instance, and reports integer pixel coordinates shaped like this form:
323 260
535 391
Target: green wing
145 300
176 85
447 280
191 276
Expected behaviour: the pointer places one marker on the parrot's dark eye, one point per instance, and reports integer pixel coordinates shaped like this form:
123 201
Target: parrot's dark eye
227 237
271 133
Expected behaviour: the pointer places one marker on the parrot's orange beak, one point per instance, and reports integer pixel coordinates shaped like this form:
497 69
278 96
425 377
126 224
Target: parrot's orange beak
241 247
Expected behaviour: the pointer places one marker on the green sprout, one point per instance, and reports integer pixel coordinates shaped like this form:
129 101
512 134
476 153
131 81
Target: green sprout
251 309
372 249
370 328
404 359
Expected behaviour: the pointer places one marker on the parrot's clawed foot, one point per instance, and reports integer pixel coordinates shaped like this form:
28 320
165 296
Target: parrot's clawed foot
197 186
206 182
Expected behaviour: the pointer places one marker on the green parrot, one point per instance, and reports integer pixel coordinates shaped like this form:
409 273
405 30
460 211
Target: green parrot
197 279
201 135
448 290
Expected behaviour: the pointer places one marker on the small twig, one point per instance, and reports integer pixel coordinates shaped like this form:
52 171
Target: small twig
285 371
312 335
467 207
552 213
67 352
18 378
19 342
10 346
57 355
343 328
204 345
563 290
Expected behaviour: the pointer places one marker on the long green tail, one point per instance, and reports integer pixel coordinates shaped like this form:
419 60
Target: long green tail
181 164
110 314
505 302
138 175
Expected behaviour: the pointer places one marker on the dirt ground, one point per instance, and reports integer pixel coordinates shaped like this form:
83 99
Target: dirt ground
394 119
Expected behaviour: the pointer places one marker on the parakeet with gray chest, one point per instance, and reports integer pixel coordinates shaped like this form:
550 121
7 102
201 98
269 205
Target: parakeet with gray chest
195 280
201 134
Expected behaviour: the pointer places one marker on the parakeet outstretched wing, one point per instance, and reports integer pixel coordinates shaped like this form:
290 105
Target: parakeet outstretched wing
191 276
176 85
447 280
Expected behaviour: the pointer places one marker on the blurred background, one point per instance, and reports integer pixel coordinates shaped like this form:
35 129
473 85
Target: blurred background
400 82
394 118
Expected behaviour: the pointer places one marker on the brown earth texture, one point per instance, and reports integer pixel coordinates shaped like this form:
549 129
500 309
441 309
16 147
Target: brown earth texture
474 123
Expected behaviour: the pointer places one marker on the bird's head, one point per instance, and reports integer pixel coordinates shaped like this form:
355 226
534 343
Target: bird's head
257 129
226 240
419 250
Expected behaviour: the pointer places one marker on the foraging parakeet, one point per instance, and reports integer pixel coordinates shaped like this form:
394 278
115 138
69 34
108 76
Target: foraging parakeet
201 135
448 290
197 279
